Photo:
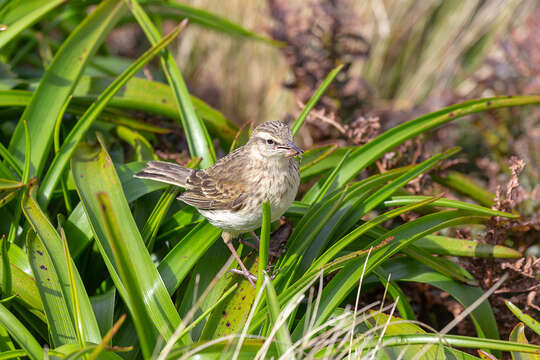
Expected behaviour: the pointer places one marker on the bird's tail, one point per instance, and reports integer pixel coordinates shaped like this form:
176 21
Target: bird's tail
166 172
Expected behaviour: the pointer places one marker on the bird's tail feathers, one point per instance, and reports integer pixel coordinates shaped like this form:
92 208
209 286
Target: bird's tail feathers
165 172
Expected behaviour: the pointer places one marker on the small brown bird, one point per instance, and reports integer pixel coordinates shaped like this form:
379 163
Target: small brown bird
230 193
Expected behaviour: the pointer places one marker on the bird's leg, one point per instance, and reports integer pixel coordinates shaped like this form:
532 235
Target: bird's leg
248 243
227 237
276 252
255 237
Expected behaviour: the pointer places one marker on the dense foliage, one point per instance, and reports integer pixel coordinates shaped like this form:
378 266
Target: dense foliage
97 263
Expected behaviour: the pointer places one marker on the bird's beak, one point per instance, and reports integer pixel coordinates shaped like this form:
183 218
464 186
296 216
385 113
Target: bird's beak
293 150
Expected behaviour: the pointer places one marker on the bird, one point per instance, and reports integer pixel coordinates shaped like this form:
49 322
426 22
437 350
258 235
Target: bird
231 192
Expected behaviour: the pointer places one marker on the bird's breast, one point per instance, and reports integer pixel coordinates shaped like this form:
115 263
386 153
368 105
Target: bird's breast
276 184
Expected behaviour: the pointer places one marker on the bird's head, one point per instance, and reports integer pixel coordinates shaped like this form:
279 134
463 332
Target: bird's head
273 139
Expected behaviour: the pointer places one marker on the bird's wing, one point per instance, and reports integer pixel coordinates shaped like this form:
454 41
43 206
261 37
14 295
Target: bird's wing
219 187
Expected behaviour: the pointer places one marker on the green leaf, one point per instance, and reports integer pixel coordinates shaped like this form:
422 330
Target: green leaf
395 326
339 245
317 224
154 97
347 279
318 195
466 186
95 174
142 147
518 335
533 324
59 80
50 267
62 157
56 307
138 94
440 264
403 305
103 306
7 284
347 218
20 334
368 153
21 15
178 11
199 142
77 226
480 210
283 336
10 159
264 244
444 245
7 196
242 136
320 160
406 269
127 272
177 264
230 318
314 99
450 340
22 280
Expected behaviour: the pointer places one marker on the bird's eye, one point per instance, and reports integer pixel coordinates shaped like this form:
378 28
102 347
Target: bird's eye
270 141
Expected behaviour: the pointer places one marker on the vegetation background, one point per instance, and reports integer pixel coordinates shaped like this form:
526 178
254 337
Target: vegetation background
397 239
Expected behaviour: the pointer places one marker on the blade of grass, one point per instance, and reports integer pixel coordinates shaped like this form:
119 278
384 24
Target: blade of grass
264 244
339 245
283 336
199 142
518 335
159 212
78 320
23 16
176 265
466 186
104 306
20 334
345 219
403 200
61 159
368 153
94 173
57 129
347 279
6 269
314 99
48 261
407 269
199 16
56 308
403 305
23 284
10 160
59 80
77 227
453 340
138 94
533 324
128 275
318 195
444 245
315 222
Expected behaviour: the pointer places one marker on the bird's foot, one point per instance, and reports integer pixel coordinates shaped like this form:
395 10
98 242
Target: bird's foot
249 276
244 270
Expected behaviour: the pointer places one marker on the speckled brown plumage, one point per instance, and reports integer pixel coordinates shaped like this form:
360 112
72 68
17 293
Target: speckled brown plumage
230 193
